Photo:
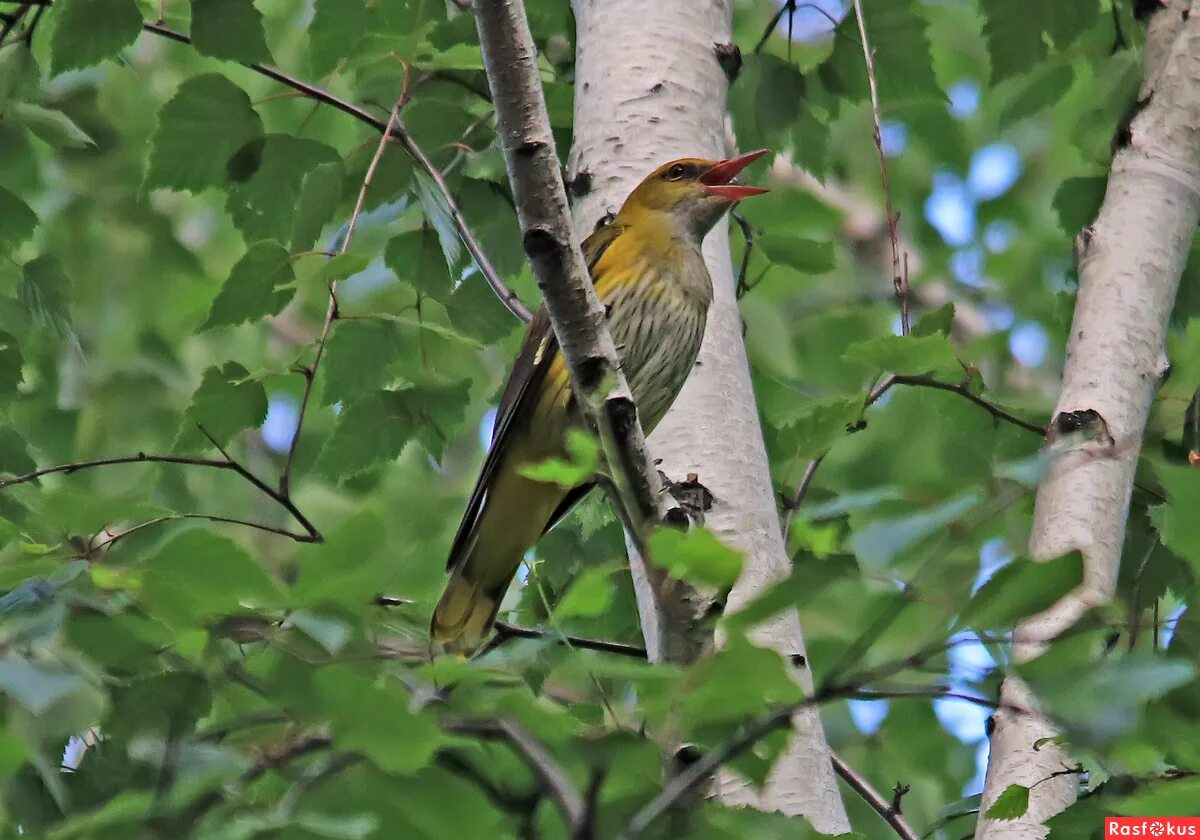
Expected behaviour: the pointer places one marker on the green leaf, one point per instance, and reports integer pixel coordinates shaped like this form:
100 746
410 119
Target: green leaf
231 29
584 454
1020 589
337 27
1043 86
819 424
266 205
413 256
1177 797
45 291
361 355
198 576
696 556
17 221
900 48
87 32
375 428
260 284
209 107
591 594
878 543
126 808
1077 202
340 267
319 194
1014 30
735 683
437 213
1012 803
475 311
805 255
330 633
54 127
935 322
912 355
10 363
49 690
225 403
1176 519
14 454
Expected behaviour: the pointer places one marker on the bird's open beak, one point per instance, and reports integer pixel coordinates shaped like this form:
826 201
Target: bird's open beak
719 181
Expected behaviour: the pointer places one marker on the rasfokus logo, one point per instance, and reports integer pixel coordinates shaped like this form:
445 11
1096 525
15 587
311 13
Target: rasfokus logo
1151 827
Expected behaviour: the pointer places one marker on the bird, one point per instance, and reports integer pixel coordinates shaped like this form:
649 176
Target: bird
648 271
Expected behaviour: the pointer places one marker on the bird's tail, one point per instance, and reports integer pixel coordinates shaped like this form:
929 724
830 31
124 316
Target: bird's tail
511 521
466 610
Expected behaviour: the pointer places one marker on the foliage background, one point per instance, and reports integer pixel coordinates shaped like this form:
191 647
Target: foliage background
163 211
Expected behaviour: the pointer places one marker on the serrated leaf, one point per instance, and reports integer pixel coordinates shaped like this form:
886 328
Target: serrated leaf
87 32
818 424
209 107
225 403
413 257
1014 30
258 285
319 194
17 221
54 127
10 363
337 27
45 291
1020 589
266 205
584 454
879 542
1012 803
361 356
475 311
900 48
230 29
340 267
198 576
1175 519
696 556
14 454
805 255
375 428
437 213
1043 86
1077 201
912 355
936 321
591 594
735 683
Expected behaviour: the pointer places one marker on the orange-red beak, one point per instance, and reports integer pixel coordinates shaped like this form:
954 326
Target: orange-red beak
718 180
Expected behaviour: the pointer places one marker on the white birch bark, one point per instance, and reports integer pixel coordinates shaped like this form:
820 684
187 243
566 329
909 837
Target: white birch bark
1130 262
648 89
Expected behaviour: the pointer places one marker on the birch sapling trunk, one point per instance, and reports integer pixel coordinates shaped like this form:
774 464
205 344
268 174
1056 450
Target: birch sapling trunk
1130 262
649 88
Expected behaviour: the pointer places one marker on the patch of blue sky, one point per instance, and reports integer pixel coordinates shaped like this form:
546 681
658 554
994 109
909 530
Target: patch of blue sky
279 426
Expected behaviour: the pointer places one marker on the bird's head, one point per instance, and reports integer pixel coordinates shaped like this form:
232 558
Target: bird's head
695 192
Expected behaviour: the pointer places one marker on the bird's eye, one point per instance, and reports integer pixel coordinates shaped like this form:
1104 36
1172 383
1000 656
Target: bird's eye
676 172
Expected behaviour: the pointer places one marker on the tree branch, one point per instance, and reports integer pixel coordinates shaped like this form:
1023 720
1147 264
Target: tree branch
544 766
311 533
1115 360
506 631
576 314
960 389
899 280
507 296
887 810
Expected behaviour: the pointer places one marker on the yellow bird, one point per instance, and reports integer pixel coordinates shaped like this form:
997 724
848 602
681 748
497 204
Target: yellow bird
648 271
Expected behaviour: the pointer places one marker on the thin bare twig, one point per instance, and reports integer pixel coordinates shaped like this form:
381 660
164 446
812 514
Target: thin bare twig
544 766
961 389
506 631
207 517
748 234
507 296
899 280
793 505
331 311
311 535
889 813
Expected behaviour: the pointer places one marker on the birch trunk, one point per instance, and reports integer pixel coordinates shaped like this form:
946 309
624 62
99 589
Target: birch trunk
648 89
1130 262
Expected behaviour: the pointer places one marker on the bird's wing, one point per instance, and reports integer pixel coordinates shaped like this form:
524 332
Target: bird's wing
538 354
